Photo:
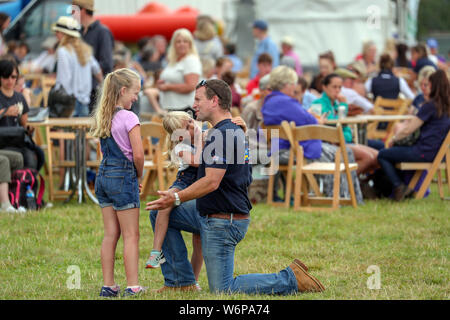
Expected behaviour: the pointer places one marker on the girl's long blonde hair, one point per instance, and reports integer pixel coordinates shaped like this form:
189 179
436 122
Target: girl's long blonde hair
175 120
82 50
109 99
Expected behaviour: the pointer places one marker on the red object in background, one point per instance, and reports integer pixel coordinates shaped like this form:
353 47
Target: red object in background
152 19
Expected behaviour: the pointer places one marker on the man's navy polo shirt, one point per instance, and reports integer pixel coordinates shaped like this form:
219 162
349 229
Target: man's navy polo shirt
226 149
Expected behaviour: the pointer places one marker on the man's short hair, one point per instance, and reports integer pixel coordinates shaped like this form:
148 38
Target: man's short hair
265 58
219 88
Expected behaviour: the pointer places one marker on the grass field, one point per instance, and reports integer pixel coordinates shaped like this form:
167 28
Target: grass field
408 242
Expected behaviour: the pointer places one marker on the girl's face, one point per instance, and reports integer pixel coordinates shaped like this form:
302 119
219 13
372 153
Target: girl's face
59 35
190 128
182 46
325 67
129 95
425 86
414 55
333 88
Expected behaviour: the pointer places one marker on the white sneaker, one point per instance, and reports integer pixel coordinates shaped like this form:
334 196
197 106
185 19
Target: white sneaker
9 209
21 210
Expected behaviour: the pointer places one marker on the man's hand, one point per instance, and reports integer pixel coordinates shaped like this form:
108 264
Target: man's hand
166 200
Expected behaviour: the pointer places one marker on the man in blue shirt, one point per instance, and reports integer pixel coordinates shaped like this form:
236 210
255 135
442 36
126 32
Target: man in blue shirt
265 45
221 212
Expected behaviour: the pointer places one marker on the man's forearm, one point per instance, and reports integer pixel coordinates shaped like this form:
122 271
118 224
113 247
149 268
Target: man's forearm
198 189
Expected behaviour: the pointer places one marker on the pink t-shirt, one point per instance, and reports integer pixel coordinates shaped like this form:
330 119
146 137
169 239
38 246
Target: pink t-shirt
122 124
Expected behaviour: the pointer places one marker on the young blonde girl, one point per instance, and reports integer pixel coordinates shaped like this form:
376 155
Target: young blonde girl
184 142
116 185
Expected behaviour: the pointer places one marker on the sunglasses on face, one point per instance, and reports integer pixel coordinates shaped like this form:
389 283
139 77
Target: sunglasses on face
204 83
15 77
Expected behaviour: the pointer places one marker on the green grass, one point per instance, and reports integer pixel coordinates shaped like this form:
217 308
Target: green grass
408 241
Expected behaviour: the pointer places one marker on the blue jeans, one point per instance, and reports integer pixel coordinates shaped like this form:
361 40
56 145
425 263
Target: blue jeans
387 158
219 240
81 110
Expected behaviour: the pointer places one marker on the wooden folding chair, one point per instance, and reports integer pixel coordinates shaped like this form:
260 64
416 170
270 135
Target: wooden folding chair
432 167
384 106
156 166
305 171
274 132
54 164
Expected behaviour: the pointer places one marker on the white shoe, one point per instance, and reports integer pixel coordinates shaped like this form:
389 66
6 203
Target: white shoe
21 210
9 209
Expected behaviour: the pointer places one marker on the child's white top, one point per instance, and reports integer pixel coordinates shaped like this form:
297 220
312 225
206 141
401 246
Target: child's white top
185 148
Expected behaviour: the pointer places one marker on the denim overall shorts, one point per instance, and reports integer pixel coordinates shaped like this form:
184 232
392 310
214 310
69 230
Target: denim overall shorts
116 183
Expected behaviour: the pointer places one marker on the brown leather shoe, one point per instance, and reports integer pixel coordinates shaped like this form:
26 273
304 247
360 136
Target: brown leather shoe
305 281
192 288
402 192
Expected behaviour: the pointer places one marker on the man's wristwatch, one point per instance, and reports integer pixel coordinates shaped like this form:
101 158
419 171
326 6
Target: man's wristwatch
177 199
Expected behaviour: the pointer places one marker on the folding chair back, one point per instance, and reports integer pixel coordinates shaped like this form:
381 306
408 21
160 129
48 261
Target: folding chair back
155 165
272 132
305 171
384 106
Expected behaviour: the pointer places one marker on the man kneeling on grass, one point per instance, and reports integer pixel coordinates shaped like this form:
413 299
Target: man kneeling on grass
220 213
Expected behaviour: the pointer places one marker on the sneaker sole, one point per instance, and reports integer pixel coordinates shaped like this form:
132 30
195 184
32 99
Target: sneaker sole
300 265
149 266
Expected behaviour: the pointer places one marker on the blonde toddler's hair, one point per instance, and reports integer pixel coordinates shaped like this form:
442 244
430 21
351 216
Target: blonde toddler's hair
173 121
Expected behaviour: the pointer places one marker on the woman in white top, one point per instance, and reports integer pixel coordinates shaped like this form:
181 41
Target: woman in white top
75 64
176 85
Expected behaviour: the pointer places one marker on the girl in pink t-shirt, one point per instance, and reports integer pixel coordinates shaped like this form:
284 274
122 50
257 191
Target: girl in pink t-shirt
116 185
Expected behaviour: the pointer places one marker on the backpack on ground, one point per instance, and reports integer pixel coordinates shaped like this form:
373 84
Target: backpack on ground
23 181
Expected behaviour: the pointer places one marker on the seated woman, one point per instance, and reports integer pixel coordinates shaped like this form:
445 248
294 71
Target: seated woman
433 119
14 112
328 105
281 105
9 161
386 84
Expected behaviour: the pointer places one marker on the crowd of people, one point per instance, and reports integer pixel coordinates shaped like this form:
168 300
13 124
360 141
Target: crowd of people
197 75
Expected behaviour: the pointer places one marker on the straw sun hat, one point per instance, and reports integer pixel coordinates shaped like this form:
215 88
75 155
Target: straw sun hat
67 25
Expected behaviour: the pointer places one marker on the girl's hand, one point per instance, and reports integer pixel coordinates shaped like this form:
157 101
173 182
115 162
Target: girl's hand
198 136
140 188
240 122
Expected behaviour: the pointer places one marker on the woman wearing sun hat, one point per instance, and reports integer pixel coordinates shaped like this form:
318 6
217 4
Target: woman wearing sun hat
75 64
